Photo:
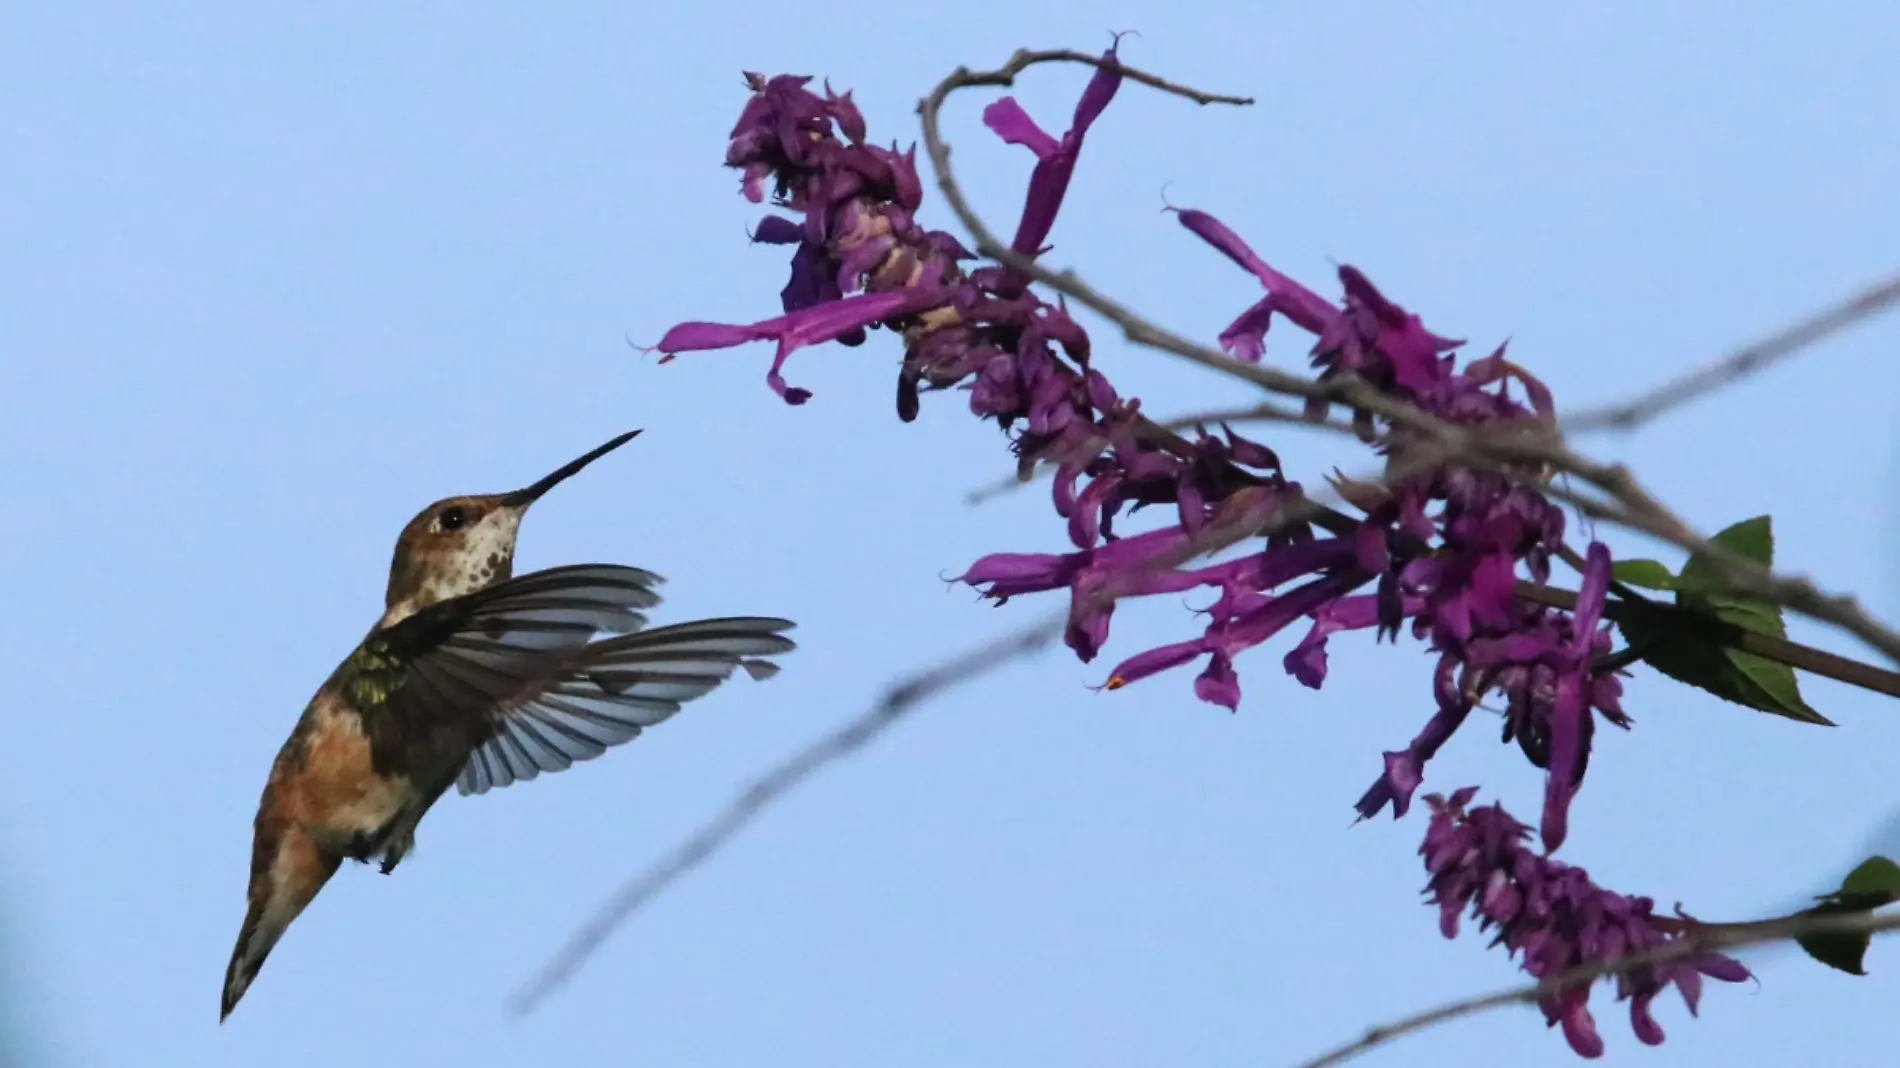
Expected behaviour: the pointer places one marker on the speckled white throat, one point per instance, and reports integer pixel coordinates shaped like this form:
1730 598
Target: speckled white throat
484 557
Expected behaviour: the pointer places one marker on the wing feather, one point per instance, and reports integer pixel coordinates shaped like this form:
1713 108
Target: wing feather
429 684
614 689
512 680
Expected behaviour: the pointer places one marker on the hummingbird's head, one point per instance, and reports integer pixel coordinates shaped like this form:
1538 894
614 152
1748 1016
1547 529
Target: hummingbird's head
462 544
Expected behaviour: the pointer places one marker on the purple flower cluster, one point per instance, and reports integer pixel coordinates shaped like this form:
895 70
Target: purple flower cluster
1553 918
1447 543
1440 546
1443 548
862 262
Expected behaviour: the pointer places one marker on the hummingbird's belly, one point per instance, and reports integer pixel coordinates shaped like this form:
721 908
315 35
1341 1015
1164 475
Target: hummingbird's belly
333 789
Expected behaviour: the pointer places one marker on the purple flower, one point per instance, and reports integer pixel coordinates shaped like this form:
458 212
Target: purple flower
1405 769
1246 337
823 322
1553 918
1545 668
1085 574
1307 661
1055 160
1540 660
1242 619
1448 543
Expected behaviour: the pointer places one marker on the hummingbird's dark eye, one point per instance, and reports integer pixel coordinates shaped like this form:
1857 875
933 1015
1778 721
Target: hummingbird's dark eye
452 517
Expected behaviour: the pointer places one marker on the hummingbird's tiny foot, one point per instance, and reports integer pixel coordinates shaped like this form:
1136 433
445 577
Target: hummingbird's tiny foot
397 849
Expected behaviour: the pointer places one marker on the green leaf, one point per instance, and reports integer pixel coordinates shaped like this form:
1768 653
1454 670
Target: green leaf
1875 876
1701 579
1751 538
1874 883
1841 951
1648 574
1688 654
1692 655
1771 687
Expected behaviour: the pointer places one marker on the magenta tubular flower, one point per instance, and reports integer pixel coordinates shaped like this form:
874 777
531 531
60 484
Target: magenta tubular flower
1307 661
1553 918
829 321
1055 160
1405 769
1241 619
1246 338
1085 574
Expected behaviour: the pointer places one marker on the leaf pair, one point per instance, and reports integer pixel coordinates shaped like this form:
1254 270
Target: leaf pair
1875 883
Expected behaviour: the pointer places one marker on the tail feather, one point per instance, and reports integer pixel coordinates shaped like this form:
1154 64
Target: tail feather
287 870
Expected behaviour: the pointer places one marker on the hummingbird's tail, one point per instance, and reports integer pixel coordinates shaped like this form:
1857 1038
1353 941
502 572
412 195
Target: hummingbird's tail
287 870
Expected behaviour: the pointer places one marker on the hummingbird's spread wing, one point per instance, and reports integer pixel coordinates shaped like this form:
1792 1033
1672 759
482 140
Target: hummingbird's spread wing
612 690
506 679
429 684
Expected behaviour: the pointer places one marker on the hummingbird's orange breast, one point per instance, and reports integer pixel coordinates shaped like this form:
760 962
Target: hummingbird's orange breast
331 788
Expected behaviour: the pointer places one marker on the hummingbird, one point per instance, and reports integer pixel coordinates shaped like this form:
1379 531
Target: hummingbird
476 678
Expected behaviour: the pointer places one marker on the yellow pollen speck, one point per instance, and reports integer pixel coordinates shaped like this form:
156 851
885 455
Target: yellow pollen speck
1116 682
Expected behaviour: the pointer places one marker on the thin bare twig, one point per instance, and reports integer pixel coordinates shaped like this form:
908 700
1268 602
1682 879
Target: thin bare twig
1257 413
1743 362
855 734
763 791
1711 939
1005 76
989 491
1524 441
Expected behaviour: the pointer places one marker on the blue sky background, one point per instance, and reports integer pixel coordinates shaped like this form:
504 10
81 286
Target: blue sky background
274 276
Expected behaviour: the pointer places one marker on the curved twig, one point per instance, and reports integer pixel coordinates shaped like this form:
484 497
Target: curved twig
1712 939
897 702
1743 362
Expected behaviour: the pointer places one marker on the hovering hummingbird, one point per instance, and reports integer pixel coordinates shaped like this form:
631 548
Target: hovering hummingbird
475 678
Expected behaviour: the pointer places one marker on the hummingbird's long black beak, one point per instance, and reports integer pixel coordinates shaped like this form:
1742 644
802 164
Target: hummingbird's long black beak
522 498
